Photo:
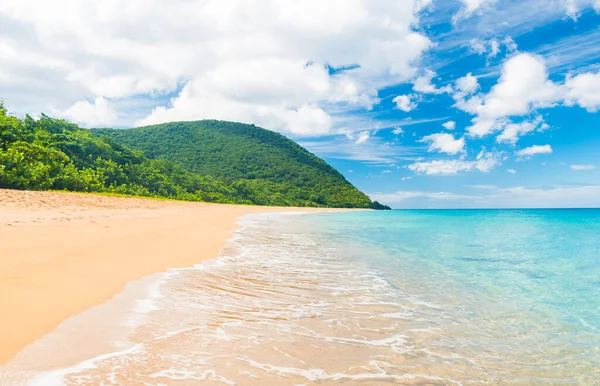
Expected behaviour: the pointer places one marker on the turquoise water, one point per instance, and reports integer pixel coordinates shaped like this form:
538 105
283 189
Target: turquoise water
470 297
516 290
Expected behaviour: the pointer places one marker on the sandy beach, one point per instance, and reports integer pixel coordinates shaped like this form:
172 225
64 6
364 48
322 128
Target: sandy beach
62 253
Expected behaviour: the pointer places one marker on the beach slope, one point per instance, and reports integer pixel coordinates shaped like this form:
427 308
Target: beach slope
61 253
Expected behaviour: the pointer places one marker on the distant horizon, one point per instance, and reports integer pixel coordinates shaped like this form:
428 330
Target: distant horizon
556 208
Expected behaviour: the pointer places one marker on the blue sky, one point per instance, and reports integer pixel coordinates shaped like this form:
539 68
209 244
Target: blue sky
419 103
568 176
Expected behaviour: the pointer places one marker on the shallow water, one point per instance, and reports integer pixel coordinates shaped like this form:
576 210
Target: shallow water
404 297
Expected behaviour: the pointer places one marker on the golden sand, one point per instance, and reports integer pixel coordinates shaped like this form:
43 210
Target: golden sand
61 253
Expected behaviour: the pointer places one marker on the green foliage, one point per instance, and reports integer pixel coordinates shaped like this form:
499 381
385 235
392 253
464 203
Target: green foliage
262 166
196 161
377 206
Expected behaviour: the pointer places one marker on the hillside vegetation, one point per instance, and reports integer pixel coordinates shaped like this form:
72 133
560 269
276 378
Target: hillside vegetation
271 168
221 163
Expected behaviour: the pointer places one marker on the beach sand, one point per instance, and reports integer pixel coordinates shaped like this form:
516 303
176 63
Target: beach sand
62 253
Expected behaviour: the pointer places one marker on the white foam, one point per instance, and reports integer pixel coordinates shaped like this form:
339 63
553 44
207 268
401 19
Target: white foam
57 377
181 375
316 375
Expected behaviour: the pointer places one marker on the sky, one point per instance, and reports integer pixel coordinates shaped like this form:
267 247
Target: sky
419 103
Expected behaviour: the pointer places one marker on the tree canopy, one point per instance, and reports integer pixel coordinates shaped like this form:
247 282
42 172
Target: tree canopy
209 161
268 167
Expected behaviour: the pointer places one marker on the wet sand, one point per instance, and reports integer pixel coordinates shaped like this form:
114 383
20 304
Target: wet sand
62 253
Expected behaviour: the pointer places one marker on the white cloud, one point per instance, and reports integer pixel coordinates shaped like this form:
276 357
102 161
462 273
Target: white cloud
477 46
494 48
398 131
372 151
577 196
510 44
583 167
534 150
405 103
363 136
522 88
512 171
566 196
465 86
441 167
450 125
399 196
96 114
444 143
583 90
523 85
470 7
512 131
423 84
573 8
406 178
484 162
468 84
262 62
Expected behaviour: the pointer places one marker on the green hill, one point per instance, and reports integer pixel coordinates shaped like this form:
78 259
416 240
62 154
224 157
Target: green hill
269 168
197 161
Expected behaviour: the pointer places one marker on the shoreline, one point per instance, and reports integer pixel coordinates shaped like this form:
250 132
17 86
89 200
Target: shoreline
63 253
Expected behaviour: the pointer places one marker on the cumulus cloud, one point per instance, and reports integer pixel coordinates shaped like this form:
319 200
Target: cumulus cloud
444 143
513 131
90 114
485 162
424 84
512 171
522 88
450 125
534 150
468 84
583 90
265 62
464 87
405 103
523 85
578 168
398 131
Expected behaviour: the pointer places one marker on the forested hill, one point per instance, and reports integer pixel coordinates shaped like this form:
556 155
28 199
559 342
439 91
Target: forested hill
227 149
267 164
53 154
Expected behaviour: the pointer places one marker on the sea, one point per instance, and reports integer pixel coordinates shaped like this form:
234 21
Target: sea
408 297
